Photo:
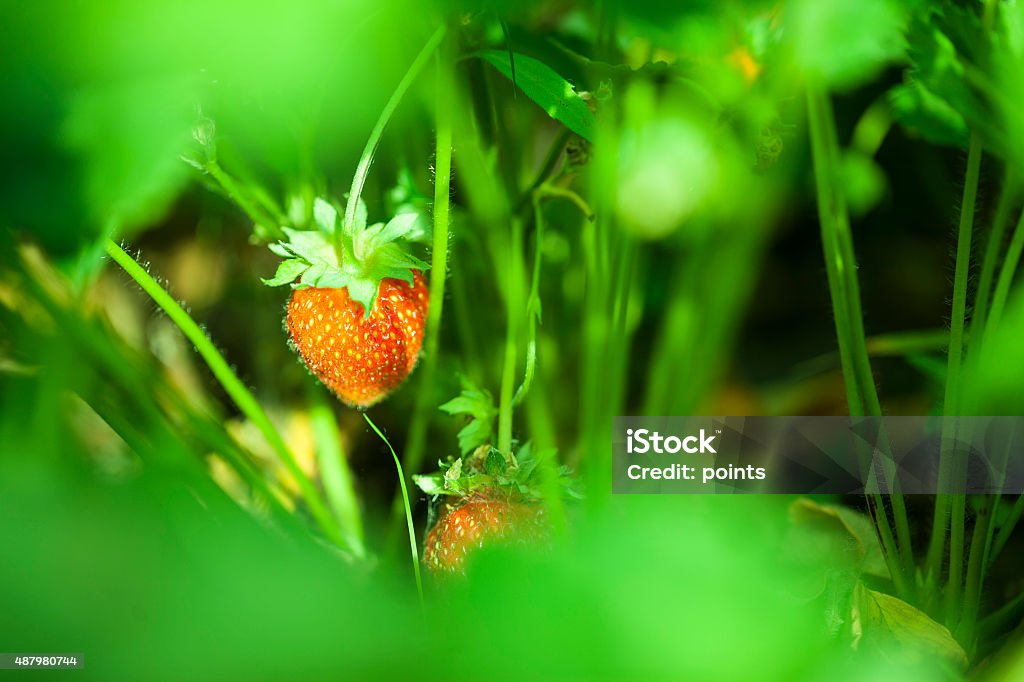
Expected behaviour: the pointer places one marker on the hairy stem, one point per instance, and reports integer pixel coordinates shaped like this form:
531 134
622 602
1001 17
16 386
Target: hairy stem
840 262
949 464
234 387
261 215
415 441
378 130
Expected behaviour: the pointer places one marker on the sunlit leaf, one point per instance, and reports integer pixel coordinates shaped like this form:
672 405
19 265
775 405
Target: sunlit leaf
555 95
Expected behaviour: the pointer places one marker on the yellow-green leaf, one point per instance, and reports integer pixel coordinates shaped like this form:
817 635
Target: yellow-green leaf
896 627
551 92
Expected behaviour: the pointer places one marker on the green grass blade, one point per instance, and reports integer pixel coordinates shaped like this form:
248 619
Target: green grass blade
335 473
416 438
234 387
413 549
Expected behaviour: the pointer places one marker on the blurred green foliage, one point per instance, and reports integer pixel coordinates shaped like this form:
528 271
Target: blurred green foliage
640 171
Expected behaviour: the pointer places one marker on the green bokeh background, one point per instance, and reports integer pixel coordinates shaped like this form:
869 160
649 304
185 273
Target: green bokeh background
125 536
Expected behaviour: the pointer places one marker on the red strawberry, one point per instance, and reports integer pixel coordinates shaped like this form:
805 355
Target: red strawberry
478 520
359 304
362 359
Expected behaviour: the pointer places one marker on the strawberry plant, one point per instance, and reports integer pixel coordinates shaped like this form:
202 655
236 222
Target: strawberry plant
298 299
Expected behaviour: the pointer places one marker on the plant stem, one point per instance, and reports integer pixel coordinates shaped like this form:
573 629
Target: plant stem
553 154
975 565
1005 618
840 262
251 208
513 303
949 465
234 387
413 550
416 438
533 303
832 214
378 130
981 549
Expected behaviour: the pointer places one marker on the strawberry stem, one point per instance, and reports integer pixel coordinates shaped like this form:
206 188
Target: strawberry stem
514 285
378 130
415 441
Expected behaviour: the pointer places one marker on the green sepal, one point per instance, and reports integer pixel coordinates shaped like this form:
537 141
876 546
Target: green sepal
313 247
325 215
287 272
364 292
354 257
494 463
487 470
431 484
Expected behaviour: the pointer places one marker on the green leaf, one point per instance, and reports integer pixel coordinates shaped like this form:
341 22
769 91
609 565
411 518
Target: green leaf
861 526
392 261
400 227
949 89
311 246
479 405
329 278
495 463
474 402
827 550
325 216
452 475
897 628
431 484
920 110
821 536
555 95
287 272
474 434
280 249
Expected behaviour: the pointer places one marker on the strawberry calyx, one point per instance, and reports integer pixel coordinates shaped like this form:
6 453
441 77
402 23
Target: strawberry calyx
486 471
356 256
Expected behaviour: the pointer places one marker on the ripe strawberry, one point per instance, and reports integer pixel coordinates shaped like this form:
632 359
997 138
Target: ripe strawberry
359 304
484 498
361 359
478 520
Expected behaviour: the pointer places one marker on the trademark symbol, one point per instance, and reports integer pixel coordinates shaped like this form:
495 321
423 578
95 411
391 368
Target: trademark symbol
718 431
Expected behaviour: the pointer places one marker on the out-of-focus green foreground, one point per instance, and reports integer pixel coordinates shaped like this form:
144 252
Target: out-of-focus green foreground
713 208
